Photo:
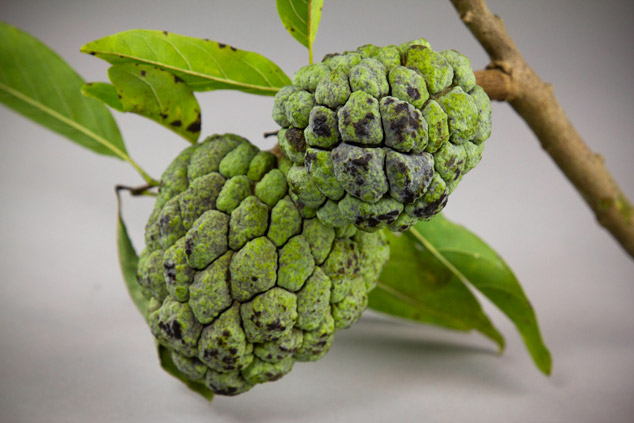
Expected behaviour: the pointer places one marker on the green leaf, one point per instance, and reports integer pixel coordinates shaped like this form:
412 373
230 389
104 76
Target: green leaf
168 365
415 285
128 261
104 92
475 263
203 64
159 95
39 84
301 19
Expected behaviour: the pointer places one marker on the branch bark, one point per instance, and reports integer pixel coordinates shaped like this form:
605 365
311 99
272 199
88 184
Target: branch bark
510 78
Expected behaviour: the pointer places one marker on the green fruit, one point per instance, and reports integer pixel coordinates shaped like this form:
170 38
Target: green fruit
384 134
242 285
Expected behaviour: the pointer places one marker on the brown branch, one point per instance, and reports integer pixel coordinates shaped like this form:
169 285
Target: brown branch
497 84
511 79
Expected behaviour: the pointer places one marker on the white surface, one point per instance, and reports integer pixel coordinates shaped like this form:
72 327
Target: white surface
73 348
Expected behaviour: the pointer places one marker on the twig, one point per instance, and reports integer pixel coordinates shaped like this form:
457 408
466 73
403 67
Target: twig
270 134
497 84
135 191
511 79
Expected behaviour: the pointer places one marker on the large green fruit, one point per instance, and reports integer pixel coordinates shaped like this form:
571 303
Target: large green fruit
381 136
240 284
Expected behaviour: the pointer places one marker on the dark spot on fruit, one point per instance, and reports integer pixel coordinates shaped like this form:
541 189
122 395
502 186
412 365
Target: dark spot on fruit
389 216
163 115
233 48
189 246
309 158
413 92
275 326
165 32
142 73
362 161
170 270
361 126
172 329
408 196
254 278
92 53
226 333
176 123
370 100
177 79
228 359
373 222
402 108
210 353
295 138
320 126
222 45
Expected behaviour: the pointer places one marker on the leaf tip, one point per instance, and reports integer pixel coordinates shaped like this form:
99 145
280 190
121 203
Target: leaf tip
546 365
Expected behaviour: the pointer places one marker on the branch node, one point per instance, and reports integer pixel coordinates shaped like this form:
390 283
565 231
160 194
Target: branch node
467 17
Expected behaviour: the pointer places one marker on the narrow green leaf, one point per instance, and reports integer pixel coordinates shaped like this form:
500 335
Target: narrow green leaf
203 64
168 365
301 19
158 95
417 286
128 261
104 92
475 263
39 84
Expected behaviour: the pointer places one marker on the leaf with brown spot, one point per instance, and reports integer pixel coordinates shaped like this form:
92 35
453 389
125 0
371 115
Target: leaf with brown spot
158 95
103 92
201 64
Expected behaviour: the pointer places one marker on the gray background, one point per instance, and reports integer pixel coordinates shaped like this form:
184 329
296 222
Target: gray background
73 348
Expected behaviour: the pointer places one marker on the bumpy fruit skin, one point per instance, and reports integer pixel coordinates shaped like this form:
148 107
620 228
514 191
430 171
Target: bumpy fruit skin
241 286
382 135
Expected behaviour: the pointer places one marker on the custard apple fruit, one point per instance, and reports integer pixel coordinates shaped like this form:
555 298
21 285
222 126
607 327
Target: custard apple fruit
381 136
240 285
